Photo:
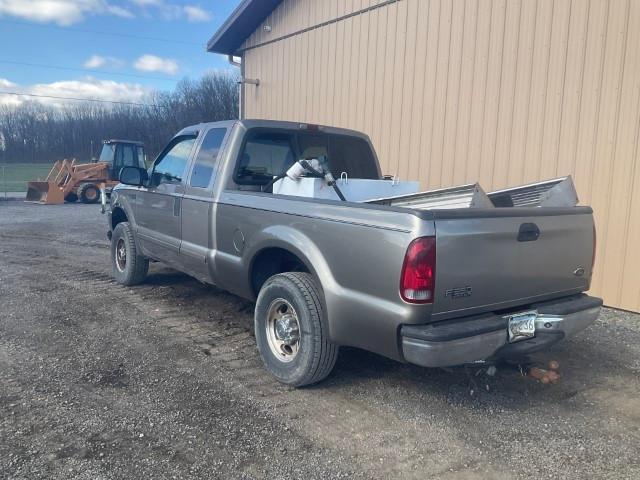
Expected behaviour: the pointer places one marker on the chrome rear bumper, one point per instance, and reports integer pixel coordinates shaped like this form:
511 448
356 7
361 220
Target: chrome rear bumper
477 339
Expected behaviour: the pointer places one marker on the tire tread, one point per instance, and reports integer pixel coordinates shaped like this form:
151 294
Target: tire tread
325 353
139 264
82 193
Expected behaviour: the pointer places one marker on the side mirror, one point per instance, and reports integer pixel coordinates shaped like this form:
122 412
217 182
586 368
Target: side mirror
133 176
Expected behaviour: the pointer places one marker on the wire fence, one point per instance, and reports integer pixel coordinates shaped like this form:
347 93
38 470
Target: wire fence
15 176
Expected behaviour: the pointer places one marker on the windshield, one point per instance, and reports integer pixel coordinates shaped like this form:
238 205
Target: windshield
107 153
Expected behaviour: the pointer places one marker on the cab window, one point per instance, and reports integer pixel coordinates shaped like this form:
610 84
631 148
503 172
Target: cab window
142 161
265 155
125 156
171 165
107 153
207 159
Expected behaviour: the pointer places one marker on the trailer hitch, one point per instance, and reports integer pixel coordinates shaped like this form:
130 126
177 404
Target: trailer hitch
545 376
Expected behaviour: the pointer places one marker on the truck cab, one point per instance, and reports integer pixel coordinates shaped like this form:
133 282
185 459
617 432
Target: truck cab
122 153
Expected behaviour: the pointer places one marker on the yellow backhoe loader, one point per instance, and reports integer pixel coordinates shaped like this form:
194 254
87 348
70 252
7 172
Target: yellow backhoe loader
69 181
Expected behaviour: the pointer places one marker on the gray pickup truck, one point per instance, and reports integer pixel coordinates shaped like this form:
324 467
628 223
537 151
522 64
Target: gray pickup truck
432 287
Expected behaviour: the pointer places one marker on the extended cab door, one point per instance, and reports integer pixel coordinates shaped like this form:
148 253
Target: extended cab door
159 205
125 156
198 224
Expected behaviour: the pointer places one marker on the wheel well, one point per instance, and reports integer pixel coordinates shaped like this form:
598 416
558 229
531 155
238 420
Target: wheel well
272 261
118 216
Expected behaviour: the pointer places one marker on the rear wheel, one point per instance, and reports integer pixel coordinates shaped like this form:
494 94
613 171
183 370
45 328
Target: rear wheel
129 267
89 193
290 334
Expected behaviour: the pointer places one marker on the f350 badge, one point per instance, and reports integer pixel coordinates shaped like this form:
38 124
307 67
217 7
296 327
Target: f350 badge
459 292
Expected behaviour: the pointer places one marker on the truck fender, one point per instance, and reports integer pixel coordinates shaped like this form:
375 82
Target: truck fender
298 244
123 206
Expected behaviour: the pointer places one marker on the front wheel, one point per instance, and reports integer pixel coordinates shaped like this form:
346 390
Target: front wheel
291 337
89 193
129 267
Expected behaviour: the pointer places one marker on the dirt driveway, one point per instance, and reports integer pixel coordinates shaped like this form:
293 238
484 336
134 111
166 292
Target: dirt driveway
164 381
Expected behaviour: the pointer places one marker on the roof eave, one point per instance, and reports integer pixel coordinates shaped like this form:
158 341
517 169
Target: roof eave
242 22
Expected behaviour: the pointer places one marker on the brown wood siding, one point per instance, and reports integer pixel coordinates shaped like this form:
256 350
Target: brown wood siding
497 91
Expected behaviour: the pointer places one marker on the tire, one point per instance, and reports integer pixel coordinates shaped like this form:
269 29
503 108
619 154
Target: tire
71 197
133 268
288 296
89 193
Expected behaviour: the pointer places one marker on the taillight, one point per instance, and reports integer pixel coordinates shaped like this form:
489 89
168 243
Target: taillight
418 277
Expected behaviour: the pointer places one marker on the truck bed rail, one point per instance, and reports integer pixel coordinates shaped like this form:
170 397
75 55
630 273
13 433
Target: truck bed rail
559 192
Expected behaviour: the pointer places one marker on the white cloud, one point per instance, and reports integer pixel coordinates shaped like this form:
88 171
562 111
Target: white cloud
86 88
119 11
8 99
196 14
94 88
152 63
4 83
171 11
95 61
62 12
147 3
98 61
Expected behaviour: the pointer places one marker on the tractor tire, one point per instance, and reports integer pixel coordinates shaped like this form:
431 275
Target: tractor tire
72 197
290 333
89 193
128 265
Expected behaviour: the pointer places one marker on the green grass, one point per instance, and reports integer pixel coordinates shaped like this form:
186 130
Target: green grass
14 176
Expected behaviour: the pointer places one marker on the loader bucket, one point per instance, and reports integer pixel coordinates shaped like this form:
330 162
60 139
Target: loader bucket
48 193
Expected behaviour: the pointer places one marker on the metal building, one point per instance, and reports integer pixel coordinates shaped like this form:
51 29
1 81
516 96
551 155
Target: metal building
452 91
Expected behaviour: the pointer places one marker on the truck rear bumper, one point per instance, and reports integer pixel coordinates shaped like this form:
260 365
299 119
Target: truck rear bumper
481 338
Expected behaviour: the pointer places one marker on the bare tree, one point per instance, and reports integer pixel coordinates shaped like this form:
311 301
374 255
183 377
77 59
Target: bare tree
37 133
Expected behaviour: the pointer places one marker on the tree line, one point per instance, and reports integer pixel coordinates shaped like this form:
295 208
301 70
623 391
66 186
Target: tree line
34 132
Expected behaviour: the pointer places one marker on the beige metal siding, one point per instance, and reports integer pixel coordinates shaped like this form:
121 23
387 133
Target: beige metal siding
453 91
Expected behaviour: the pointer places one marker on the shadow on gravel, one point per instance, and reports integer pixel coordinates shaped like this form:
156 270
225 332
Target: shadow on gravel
356 369
462 387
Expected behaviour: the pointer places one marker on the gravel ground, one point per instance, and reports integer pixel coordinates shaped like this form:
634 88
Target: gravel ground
163 380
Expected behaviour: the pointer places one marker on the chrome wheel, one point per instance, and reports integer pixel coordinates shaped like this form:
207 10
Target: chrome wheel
121 255
283 330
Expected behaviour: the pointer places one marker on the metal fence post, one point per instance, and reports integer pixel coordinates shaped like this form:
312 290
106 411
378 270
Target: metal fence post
4 182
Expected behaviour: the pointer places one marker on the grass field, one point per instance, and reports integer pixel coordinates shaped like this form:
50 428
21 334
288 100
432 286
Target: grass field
14 176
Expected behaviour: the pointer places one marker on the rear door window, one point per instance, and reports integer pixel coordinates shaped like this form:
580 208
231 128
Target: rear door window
207 159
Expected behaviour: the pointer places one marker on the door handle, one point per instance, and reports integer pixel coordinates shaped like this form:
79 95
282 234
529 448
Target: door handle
529 232
177 205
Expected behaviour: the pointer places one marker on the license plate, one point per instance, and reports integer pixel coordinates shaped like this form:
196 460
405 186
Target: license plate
522 326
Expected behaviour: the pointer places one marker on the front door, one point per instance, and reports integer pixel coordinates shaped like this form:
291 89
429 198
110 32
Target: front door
125 156
159 205
198 219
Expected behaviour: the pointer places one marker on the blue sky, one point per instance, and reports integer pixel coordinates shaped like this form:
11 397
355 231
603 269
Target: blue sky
122 66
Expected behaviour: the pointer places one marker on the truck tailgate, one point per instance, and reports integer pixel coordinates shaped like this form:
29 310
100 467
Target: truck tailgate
503 258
